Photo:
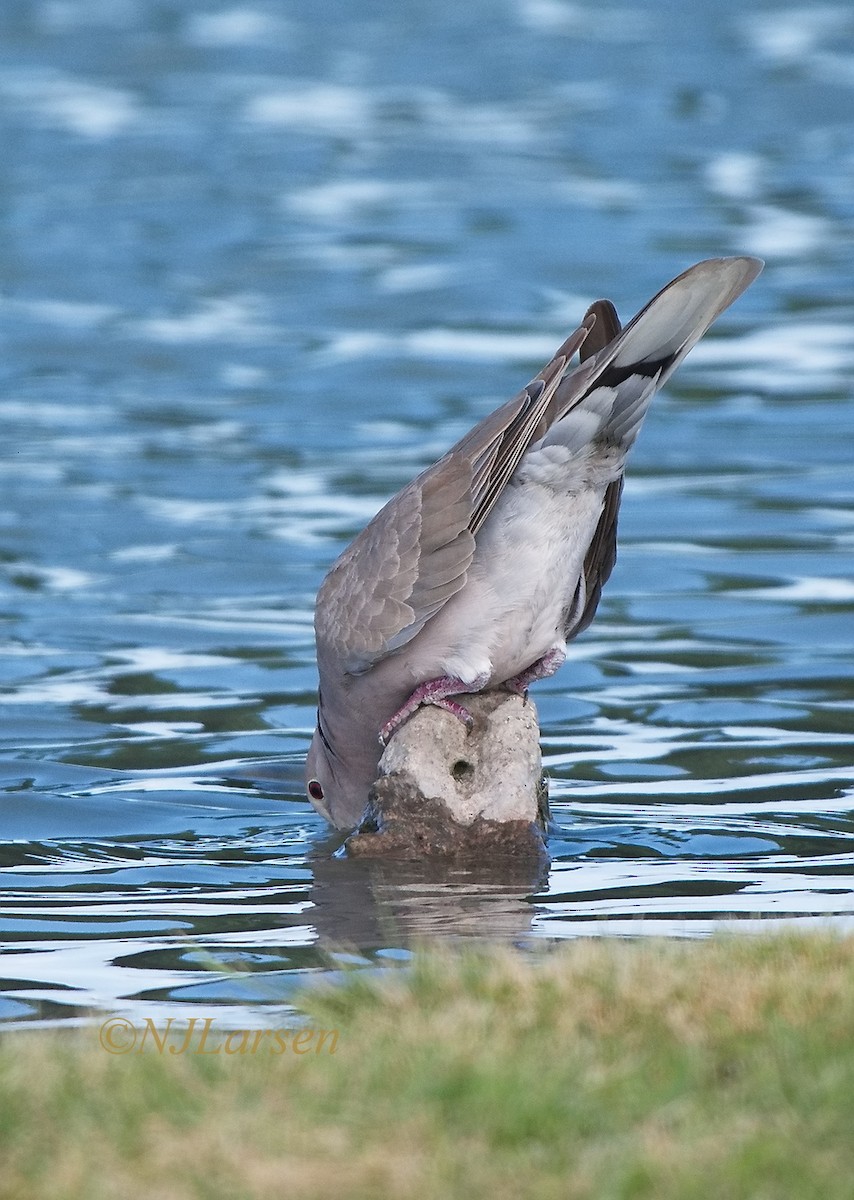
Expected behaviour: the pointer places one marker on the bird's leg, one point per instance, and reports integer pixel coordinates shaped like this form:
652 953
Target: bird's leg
435 691
541 669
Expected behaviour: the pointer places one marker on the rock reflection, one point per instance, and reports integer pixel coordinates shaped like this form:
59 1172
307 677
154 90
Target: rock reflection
381 903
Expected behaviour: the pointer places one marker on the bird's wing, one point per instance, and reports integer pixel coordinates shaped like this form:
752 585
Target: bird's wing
605 328
602 553
598 564
497 444
414 555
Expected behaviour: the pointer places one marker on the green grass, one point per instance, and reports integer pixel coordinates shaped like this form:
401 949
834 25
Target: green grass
604 1069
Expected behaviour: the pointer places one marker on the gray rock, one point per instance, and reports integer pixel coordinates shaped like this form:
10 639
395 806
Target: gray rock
447 791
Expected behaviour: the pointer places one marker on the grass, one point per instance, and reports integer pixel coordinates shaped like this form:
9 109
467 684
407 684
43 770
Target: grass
599 1070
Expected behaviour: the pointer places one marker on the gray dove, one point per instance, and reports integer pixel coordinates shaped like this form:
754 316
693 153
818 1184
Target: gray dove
480 570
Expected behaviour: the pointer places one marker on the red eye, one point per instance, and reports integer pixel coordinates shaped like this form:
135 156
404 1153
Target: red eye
315 790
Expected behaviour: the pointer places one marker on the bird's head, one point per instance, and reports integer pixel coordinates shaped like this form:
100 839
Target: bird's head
337 792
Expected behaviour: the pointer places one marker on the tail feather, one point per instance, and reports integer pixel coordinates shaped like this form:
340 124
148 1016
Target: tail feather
673 321
606 398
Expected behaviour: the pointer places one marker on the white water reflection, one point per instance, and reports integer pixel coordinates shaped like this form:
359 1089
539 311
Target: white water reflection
88 109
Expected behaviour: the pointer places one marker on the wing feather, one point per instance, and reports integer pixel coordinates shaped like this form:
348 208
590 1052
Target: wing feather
414 555
598 564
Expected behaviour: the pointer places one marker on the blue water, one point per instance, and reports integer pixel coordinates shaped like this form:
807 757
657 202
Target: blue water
260 263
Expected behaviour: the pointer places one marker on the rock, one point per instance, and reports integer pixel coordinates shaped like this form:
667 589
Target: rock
445 791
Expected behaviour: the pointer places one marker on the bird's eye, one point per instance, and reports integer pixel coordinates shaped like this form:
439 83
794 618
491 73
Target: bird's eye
315 790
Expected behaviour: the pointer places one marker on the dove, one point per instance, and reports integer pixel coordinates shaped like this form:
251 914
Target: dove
478 572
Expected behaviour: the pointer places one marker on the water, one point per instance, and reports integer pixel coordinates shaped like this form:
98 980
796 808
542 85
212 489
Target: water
261 263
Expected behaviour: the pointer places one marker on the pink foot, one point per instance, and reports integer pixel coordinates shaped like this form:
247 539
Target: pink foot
541 669
435 691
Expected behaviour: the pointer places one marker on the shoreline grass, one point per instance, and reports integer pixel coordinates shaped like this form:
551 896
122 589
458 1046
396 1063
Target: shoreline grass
599 1069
